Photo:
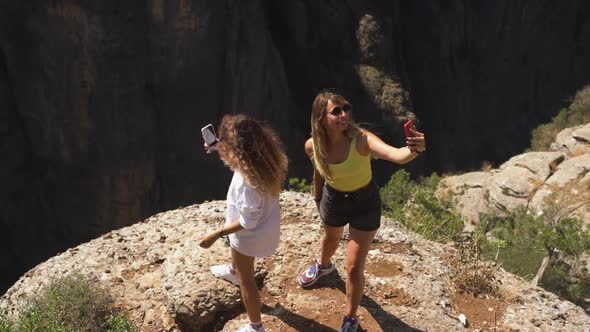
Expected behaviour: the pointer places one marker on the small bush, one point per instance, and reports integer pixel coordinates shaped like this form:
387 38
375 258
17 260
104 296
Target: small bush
568 235
71 303
299 185
558 279
545 134
5 322
528 238
472 273
416 206
579 110
577 113
120 323
397 193
520 232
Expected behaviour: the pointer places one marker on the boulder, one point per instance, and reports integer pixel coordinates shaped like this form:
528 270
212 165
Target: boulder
574 140
527 179
469 194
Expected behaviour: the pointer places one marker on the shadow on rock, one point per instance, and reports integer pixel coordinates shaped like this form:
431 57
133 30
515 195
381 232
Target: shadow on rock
295 320
387 321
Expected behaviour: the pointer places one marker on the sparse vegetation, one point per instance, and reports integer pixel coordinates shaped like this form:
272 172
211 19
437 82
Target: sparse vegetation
544 248
577 113
416 206
5 323
540 247
120 323
71 303
522 250
471 272
299 185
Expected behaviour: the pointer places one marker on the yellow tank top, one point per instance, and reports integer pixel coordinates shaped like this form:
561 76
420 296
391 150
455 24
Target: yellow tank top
351 174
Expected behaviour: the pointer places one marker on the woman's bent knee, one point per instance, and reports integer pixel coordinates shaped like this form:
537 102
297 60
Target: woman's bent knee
355 272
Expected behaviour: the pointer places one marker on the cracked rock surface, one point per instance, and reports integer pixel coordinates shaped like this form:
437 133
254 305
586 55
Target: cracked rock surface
157 272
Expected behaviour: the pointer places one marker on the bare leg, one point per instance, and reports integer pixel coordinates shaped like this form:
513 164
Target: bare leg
245 268
358 248
329 243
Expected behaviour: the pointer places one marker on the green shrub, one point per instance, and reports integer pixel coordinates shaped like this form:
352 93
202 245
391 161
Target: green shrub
544 135
72 303
558 279
416 206
5 322
397 193
120 323
580 107
577 113
298 185
527 239
522 234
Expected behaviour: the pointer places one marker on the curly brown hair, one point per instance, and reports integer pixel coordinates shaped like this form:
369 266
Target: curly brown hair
253 149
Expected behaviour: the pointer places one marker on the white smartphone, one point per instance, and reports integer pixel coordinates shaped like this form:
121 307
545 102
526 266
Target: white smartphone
209 136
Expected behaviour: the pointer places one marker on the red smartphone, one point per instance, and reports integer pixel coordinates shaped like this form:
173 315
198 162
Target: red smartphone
407 127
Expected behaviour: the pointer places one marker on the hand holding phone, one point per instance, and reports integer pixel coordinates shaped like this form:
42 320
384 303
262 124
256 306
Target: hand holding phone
209 137
407 126
414 138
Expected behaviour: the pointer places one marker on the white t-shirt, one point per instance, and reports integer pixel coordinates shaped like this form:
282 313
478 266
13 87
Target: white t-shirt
258 213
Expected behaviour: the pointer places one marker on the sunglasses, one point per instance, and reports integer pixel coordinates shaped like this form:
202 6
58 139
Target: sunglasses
336 111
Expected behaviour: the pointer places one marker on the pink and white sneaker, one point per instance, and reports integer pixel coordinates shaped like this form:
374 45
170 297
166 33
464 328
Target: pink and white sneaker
312 274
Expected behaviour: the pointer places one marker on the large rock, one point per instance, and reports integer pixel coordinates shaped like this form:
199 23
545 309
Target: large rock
583 134
510 188
527 180
541 164
157 272
575 140
190 291
469 194
571 183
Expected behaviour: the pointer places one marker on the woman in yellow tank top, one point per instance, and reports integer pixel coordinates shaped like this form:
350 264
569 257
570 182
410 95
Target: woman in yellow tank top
344 192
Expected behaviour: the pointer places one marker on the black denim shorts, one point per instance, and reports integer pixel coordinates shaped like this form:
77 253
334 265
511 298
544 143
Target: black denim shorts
361 208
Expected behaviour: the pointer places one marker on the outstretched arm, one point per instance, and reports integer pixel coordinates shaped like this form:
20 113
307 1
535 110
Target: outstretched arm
382 150
210 238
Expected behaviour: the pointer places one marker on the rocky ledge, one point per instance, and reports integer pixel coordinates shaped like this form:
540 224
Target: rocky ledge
528 180
156 270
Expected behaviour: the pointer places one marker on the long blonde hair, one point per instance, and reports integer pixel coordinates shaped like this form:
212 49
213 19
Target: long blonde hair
320 135
254 150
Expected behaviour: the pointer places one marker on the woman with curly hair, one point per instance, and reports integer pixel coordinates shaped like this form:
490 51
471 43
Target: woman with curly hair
252 150
341 154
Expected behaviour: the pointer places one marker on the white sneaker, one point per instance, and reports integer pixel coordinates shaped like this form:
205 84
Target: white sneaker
225 272
248 328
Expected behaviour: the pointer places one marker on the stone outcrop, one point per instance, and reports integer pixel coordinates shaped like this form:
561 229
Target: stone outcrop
528 180
157 272
532 180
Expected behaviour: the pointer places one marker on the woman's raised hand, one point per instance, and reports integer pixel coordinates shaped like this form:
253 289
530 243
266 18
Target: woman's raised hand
417 142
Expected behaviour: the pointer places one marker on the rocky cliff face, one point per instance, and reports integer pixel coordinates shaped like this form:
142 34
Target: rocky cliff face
101 103
528 180
156 271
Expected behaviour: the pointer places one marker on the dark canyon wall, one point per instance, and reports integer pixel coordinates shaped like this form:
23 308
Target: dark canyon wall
101 102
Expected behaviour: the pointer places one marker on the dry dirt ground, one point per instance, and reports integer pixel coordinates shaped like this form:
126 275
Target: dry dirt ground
320 308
